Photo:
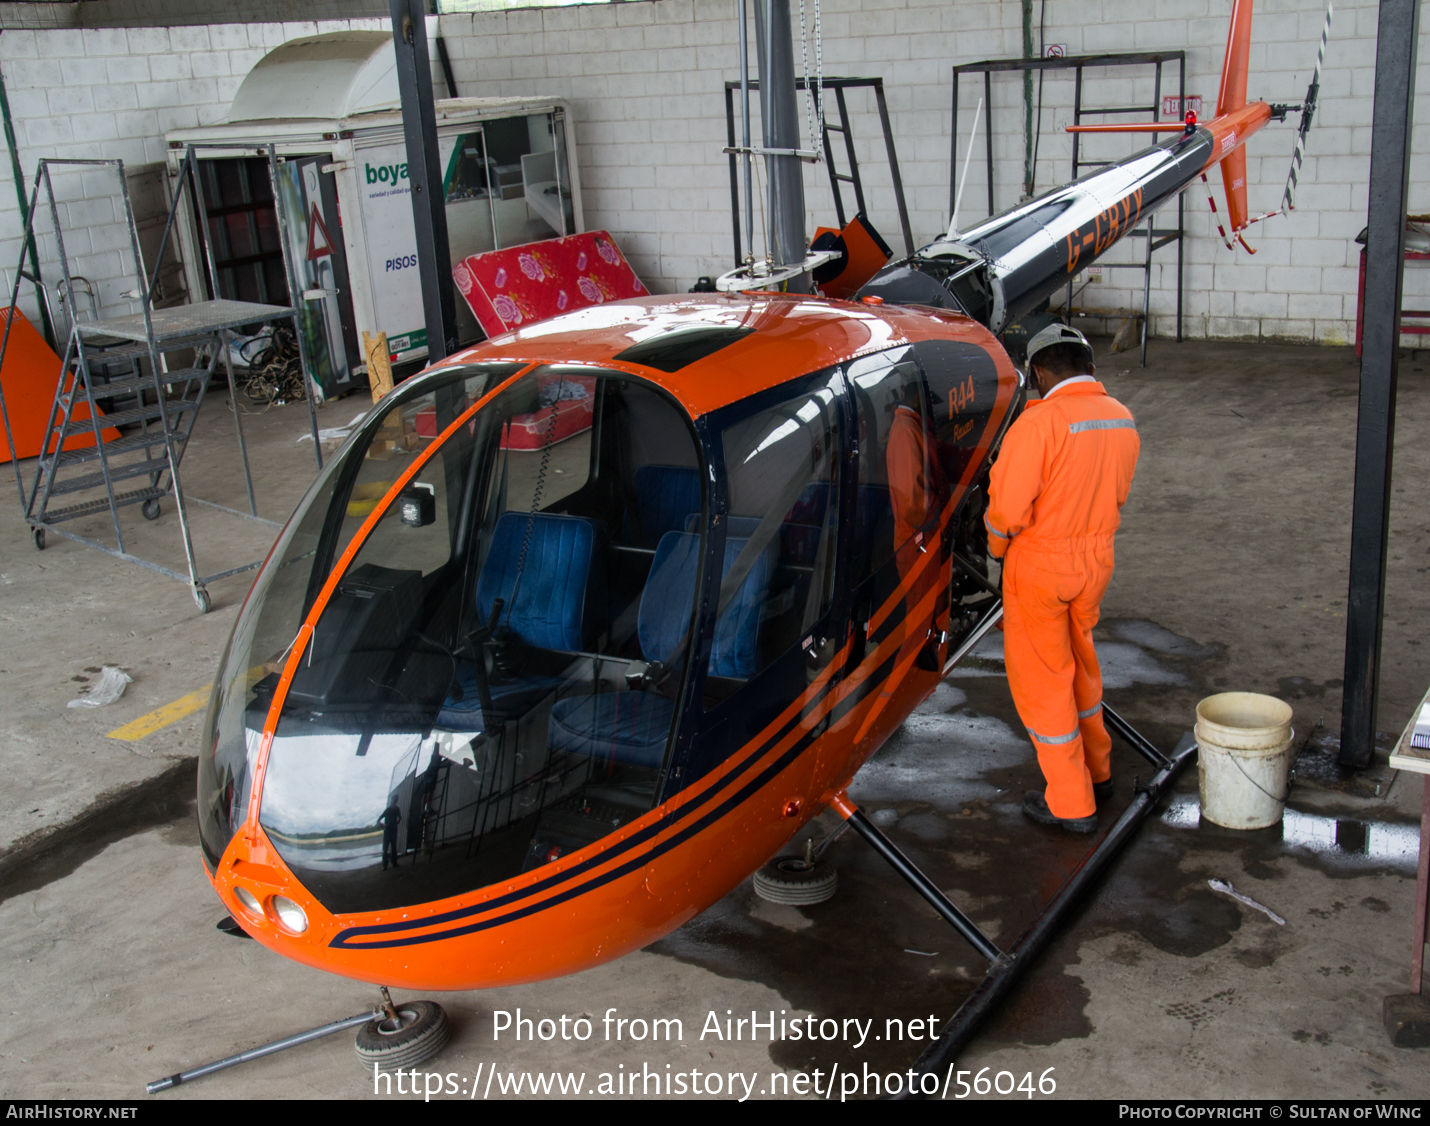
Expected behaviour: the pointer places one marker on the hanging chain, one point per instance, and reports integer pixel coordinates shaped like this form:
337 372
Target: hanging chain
813 91
808 88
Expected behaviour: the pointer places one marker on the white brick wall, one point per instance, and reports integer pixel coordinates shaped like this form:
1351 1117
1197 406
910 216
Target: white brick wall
113 93
647 84
646 80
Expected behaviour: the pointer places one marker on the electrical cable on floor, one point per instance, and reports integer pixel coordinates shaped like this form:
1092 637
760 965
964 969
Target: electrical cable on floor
275 372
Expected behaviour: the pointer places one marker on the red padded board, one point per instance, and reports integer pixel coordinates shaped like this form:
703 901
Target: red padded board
28 378
523 284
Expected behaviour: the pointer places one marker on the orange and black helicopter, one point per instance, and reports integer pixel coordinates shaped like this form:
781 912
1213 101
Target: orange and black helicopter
492 715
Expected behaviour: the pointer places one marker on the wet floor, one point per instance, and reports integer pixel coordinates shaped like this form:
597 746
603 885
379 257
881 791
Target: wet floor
1155 970
948 789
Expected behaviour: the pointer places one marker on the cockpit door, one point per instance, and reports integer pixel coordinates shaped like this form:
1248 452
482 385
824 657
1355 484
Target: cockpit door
776 616
897 572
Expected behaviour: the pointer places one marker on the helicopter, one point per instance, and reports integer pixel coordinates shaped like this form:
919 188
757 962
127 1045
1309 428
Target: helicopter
497 711
586 690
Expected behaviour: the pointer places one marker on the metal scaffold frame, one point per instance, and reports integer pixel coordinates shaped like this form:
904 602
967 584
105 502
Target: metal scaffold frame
131 342
853 177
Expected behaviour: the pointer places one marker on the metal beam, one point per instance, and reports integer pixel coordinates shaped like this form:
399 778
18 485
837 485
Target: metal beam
1380 363
424 170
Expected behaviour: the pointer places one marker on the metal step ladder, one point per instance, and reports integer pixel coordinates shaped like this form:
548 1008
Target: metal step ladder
853 177
124 362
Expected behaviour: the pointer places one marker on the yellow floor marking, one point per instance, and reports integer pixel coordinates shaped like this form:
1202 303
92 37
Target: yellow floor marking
146 725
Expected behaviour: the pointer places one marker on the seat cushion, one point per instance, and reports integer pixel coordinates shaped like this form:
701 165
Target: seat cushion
510 698
625 727
549 608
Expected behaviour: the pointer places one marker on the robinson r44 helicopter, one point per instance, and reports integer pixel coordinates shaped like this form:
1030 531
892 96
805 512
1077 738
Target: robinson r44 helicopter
491 715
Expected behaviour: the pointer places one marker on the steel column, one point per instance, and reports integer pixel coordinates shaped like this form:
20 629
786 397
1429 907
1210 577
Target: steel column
1380 362
734 175
424 170
747 159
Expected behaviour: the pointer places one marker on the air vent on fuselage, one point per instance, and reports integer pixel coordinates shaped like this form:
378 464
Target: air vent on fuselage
671 351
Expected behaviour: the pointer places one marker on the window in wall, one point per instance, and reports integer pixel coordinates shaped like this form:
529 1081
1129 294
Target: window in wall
446 6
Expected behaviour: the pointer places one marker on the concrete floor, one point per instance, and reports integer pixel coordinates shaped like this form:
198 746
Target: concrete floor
1231 574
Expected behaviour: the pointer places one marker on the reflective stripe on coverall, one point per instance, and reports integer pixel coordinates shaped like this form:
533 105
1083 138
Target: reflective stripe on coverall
1055 500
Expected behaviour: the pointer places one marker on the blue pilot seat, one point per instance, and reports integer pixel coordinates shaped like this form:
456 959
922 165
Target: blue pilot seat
549 609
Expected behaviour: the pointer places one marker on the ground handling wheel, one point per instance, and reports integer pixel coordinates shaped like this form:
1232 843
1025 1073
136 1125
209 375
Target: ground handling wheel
796 880
202 600
151 509
419 1033
38 536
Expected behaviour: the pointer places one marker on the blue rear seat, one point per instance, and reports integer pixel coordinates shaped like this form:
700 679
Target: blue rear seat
665 496
631 726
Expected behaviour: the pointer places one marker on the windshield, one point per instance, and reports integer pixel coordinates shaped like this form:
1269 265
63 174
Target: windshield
321 527
493 682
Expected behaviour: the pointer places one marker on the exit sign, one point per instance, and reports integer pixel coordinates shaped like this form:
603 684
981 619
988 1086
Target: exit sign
1172 106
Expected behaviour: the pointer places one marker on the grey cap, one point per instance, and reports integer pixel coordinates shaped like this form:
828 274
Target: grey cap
1057 334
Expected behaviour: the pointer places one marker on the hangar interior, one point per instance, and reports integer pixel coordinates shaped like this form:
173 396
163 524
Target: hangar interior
274 156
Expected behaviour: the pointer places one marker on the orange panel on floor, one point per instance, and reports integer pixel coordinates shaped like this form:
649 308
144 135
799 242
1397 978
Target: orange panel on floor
31 370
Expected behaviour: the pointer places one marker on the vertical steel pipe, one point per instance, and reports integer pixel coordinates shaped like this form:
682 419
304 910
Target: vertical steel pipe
745 131
1380 368
424 166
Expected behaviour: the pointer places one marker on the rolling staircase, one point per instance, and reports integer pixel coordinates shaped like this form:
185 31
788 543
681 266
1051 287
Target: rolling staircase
140 406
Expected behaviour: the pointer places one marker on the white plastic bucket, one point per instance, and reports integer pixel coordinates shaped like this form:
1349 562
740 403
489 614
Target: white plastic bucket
1243 759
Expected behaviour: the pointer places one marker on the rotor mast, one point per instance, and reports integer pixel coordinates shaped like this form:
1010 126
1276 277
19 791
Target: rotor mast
779 122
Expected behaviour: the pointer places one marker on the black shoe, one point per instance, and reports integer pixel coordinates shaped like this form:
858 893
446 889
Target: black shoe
1101 791
1035 806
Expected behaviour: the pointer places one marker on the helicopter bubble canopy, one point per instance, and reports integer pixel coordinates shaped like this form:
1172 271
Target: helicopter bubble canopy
501 635
493 680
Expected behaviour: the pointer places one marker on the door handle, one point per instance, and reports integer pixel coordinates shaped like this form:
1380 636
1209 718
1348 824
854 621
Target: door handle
859 632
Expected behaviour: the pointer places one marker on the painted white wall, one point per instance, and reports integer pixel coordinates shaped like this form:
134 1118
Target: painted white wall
113 93
646 81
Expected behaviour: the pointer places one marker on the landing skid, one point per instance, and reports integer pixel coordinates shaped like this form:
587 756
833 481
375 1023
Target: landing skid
390 1036
1006 965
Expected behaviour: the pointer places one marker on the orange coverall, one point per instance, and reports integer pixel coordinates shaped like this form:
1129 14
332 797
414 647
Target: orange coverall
1055 501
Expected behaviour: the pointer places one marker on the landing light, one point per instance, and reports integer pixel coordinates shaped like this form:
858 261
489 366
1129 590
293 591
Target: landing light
249 900
290 915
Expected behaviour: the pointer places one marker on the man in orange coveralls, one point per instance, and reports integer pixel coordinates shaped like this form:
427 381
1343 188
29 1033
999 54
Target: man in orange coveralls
1055 501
